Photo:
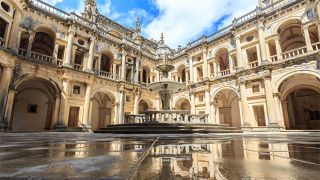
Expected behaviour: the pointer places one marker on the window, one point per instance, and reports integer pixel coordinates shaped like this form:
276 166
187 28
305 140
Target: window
76 89
32 108
5 6
81 42
255 88
127 98
310 14
200 97
314 115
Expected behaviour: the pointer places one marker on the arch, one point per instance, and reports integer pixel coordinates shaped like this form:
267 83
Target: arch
32 112
226 102
182 72
300 97
148 102
106 91
219 48
146 70
283 79
219 90
44 40
222 58
103 111
182 103
106 62
143 106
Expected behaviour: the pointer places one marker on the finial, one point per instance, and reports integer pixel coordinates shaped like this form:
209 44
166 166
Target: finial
161 39
138 26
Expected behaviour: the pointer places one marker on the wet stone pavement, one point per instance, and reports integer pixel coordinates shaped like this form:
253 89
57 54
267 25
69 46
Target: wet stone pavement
105 156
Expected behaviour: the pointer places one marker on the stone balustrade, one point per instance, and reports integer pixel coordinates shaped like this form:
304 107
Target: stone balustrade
168 117
294 53
108 75
253 64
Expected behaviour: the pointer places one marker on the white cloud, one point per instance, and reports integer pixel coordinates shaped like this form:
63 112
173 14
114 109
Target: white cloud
184 20
53 2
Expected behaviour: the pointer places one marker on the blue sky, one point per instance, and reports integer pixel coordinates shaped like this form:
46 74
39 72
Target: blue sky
181 21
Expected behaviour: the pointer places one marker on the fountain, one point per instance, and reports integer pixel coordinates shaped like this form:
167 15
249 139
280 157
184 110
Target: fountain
166 120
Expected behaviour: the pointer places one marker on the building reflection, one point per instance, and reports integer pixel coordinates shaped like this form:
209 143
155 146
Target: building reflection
218 160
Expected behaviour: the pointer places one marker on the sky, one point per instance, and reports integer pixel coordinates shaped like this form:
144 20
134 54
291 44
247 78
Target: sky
181 21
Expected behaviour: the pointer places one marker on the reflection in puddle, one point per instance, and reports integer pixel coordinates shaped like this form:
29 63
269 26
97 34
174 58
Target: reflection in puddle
235 159
98 157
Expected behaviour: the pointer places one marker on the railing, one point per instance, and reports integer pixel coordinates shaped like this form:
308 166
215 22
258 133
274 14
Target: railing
253 64
2 42
59 62
316 46
294 53
81 20
219 33
168 117
274 58
42 5
250 15
224 72
41 57
108 75
77 67
22 52
277 5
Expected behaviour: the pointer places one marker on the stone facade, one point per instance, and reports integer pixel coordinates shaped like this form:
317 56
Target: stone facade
58 69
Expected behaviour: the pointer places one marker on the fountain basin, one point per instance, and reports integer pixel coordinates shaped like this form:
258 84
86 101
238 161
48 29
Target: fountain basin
167 85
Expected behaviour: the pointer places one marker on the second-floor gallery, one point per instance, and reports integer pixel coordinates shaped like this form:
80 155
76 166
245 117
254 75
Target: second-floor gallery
59 69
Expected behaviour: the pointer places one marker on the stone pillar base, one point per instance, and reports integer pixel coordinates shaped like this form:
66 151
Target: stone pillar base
3 127
246 128
59 126
265 62
239 69
206 79
275 127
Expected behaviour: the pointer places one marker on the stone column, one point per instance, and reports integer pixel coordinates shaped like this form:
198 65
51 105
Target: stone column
191 70
278 108
136 74
205 65
239 53
231 66
244 103
18 41
114 68
278 48
207 101
121 106
91 55
56 110
68 59
136 103
31 38
209 70
4 88
307 38
9 108
123 65
269 101
217 115
116 113
193 105
258 54
262 44
63 116
55 53
215 69
86 106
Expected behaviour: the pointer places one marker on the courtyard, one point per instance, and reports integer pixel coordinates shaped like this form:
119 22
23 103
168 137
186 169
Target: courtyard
294 155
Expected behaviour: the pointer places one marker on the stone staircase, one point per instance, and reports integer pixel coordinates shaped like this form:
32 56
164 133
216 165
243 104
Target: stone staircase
167 128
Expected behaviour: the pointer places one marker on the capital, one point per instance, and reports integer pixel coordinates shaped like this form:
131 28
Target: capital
242 80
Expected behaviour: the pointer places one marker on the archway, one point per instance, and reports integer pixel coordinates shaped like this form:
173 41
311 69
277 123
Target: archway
102 110
291 35
143 107
44 41
145 74
183 104
34 105
182 73
227 102
105 64
300 101
222 58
